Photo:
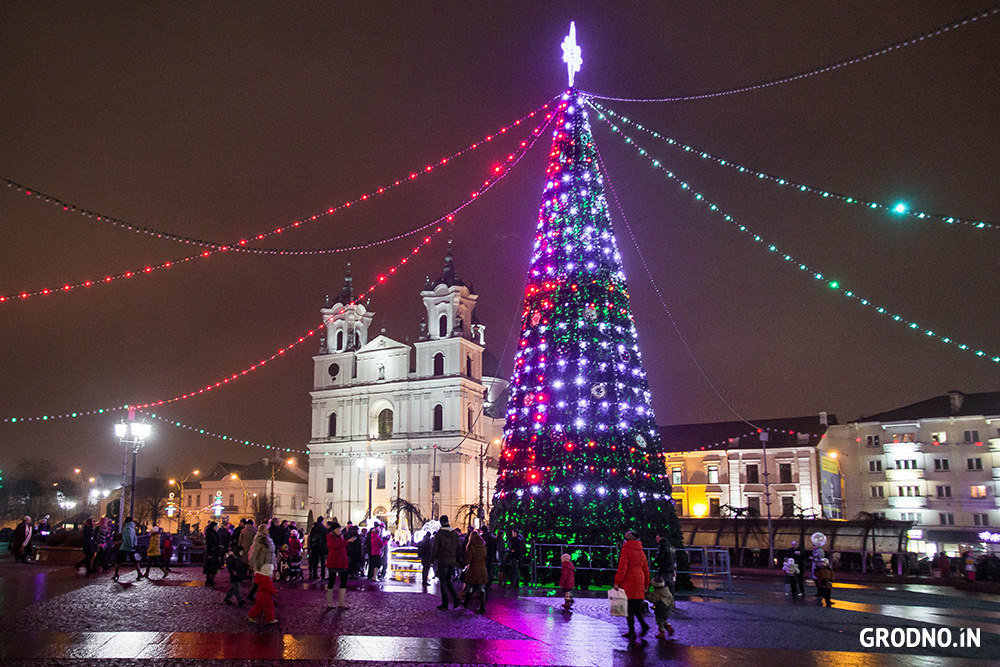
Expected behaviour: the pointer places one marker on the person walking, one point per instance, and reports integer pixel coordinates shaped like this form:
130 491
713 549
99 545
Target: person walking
262 566
476 576
126 552
105 543
424 548
317 550
824 581
662 600
237 573
665 560
567 580
515 552
444 553
796 553
20 540
633 576
491 554
154 554
89 546
375 552
211 566
337 564
791 578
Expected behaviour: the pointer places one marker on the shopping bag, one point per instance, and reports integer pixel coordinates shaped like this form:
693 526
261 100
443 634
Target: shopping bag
618 602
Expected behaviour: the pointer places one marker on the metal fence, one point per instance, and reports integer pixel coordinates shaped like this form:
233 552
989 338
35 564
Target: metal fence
707 566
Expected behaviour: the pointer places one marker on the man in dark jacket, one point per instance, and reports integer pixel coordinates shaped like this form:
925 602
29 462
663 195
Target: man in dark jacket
424 552
515 552
665 560
317 549
491 554
797 554
355 559
444 552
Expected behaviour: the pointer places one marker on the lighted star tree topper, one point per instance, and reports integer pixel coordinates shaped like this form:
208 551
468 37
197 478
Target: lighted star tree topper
581 461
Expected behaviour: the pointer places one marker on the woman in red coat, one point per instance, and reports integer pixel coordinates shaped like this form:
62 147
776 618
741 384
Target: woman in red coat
336 563
633 576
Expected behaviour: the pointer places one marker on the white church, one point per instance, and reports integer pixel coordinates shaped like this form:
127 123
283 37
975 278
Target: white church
420 422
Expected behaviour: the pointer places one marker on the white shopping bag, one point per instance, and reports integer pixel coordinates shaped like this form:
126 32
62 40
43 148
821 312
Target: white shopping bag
619 602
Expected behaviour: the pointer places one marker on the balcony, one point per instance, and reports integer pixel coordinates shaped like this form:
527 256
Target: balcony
903 474
902 447
907 502
995 444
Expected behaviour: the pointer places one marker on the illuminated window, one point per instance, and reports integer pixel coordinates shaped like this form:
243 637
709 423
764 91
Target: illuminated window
679 506
978 491
385 424
713 474
675 476
939 438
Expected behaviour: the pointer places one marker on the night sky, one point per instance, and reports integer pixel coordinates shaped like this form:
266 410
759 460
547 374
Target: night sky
219 121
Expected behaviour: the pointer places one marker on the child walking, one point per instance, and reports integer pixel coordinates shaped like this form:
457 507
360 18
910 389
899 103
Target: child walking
154 554
567 580
791 578
824 581
662 601
237 573
262 564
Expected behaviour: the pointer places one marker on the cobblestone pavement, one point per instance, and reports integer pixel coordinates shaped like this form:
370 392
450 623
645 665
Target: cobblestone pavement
54 616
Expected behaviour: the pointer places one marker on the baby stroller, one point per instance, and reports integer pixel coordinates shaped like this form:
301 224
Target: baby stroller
289 565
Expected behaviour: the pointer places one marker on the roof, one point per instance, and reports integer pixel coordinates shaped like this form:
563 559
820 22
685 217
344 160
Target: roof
782 432
952 404
448 276
258 470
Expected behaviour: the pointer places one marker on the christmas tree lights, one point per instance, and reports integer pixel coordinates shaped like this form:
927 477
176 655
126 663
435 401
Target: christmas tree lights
898 208
832 284
581 459
916 39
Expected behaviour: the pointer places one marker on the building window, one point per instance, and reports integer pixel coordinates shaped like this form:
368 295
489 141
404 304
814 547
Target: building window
438 364
906 464
277 500
675 476
752 477
784 473
329 484
472 421
468 366
679 506
385 424
878 492
443 326
940 464
197 500
232 499
340 341
875 466
713 507
333 425
787 506
975 464
189 501
380 482
939 438
913 517
971 436
713 474
978 491
438 417
872 441
294 503
981 519
436 484
944 492
908 490
946 519
753 503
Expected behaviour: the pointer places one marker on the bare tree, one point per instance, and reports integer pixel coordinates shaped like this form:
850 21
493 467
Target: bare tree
151 494
749 519
262 509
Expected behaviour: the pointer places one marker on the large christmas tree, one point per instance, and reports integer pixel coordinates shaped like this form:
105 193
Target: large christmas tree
581 461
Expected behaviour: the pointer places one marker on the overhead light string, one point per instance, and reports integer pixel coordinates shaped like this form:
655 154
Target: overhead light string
916 39
833 284
899 208
243 244
511 159
498 175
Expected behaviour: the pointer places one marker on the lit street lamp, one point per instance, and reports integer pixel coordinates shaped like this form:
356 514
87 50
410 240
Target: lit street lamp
370 464
180 505
133 434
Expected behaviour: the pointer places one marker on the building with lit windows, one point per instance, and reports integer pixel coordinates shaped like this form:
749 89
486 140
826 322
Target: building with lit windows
229 490
935 463
715 468
390 419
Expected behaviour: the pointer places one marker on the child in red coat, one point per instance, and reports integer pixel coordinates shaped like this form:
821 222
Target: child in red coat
567 580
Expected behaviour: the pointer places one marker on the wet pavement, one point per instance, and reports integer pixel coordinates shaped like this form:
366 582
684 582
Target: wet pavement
54 616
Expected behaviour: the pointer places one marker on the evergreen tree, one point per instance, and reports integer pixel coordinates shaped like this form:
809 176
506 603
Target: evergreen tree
581 461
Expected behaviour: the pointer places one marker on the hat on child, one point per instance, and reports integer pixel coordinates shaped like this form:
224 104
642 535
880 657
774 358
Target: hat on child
566 557
789 560
658 582
824 561
631 535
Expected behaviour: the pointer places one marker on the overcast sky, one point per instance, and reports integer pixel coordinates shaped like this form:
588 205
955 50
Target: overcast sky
219 121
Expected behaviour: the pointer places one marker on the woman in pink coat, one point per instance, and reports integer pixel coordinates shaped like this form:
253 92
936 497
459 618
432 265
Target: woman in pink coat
633 576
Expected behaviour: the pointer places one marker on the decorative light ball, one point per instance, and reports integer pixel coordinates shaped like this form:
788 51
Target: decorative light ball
818 540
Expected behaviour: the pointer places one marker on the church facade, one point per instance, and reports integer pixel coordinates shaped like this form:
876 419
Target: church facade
416 422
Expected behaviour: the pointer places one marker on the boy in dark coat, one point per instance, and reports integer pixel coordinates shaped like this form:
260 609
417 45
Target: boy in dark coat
237 573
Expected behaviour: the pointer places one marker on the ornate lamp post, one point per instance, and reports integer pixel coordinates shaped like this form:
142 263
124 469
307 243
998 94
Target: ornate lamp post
370 464
131 434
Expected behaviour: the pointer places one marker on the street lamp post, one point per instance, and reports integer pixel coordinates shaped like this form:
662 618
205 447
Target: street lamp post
133 434
767 500
276 464
180 506
370 464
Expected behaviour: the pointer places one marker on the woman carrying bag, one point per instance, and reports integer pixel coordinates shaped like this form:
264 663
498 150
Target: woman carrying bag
633 577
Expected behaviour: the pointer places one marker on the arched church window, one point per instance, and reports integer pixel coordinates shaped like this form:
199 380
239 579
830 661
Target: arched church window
438 364
357 340
471 420
438 417
468 366
385 424
340 341
443 327
333 425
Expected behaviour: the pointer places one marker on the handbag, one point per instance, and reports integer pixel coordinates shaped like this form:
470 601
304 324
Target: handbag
618 602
